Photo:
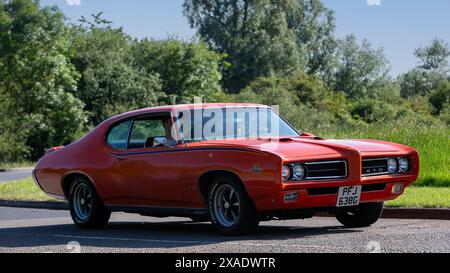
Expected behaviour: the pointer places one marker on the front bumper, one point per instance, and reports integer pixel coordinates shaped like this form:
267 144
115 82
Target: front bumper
327 197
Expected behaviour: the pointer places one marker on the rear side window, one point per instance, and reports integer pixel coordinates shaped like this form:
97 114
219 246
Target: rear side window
118 135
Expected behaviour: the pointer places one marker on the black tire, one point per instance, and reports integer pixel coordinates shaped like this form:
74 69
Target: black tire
364 215
95 214
200 218
245 216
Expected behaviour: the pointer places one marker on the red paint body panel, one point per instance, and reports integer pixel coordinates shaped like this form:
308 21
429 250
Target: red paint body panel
169 177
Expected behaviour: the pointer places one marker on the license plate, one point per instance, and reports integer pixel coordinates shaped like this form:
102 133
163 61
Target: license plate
349 196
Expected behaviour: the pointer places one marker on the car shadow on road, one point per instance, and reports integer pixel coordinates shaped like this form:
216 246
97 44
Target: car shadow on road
151 235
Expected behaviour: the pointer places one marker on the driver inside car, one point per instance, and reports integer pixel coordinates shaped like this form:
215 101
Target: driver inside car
168 141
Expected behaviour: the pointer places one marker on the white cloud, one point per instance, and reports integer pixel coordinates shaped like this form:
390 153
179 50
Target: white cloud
374 2
73 2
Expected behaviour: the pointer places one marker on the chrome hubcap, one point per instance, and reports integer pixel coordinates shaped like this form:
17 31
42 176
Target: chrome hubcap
226 205
82 202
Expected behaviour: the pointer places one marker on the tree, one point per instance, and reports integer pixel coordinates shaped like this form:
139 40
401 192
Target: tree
359 69
36 77
265 37
434 57
185 69
432 70
110 82
303 100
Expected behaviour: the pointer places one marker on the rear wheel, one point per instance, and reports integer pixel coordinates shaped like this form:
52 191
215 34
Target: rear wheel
230 208
86 207
363 216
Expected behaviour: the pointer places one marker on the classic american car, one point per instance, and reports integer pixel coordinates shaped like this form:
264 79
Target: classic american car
233 165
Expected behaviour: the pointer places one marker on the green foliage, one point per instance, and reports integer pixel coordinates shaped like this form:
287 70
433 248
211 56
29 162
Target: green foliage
265 38
185 69
440 98
303 100
432 70
435 57
110 82
35 76
359 70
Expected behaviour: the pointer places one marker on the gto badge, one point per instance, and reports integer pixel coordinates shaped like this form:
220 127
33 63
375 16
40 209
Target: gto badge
256 169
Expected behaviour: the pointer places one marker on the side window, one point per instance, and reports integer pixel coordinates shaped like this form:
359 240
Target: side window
118 135
144 132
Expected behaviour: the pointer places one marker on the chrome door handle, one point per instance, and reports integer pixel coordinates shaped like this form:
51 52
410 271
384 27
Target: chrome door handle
119 158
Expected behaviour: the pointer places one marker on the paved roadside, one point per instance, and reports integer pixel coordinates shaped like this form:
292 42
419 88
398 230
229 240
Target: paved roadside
388 213
30 230
15 174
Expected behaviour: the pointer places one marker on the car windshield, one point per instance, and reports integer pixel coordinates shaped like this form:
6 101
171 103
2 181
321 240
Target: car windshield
232 123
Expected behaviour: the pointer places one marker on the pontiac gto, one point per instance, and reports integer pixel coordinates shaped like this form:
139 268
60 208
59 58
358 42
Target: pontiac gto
232 164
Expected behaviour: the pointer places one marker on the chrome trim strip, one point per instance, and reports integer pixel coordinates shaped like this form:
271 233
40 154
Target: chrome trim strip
374 159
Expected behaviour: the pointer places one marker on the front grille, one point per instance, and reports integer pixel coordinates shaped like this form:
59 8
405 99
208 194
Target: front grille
374 166
326 170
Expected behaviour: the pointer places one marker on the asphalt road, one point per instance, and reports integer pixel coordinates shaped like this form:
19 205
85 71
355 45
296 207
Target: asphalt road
30 230
15 175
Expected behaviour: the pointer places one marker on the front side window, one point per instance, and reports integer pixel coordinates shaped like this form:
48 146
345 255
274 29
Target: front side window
144 132
118 135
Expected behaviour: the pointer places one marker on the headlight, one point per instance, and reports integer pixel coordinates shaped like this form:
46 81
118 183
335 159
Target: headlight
298 171
403 164
392 165
286 172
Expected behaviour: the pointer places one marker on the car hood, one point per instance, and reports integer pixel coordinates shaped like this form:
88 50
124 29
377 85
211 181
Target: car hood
309 147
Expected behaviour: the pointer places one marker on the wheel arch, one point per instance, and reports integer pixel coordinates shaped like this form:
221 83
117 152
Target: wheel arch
67 180
206 179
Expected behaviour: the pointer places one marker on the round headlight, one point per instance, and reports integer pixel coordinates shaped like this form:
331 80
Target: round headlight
298 171
403 164
286 172
392 165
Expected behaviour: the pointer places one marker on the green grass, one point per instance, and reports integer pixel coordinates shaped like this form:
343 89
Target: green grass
432 143
23 190
414 197
12 165
423 197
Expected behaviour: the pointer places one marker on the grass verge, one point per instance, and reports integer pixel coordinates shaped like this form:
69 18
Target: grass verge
423 197
12 165
414 197
22 190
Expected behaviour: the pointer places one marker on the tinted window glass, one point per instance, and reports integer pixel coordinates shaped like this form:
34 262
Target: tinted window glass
143 130
118 135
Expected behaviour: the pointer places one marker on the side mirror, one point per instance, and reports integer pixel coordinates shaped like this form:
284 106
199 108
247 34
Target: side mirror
163 141
157 141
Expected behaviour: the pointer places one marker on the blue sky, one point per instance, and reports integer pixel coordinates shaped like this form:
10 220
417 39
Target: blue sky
399 26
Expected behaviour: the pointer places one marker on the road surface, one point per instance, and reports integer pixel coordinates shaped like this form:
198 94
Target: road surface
15 175
30 230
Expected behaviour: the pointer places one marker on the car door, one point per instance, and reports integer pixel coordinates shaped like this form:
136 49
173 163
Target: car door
148 175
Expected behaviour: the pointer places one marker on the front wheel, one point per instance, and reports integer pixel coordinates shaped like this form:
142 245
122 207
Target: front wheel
86 207
230 208
363 216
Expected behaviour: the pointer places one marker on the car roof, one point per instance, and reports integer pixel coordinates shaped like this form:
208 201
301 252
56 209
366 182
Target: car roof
169 108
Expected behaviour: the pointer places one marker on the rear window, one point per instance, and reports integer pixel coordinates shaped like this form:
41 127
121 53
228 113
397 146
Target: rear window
118 135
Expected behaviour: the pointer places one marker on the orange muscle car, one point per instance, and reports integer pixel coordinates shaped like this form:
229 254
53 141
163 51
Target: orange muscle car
232 164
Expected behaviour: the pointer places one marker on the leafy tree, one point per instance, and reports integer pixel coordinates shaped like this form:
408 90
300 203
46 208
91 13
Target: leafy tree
185 69
110 82
359 69
36 77
264 37
303 100
440 98
432 70
435 56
